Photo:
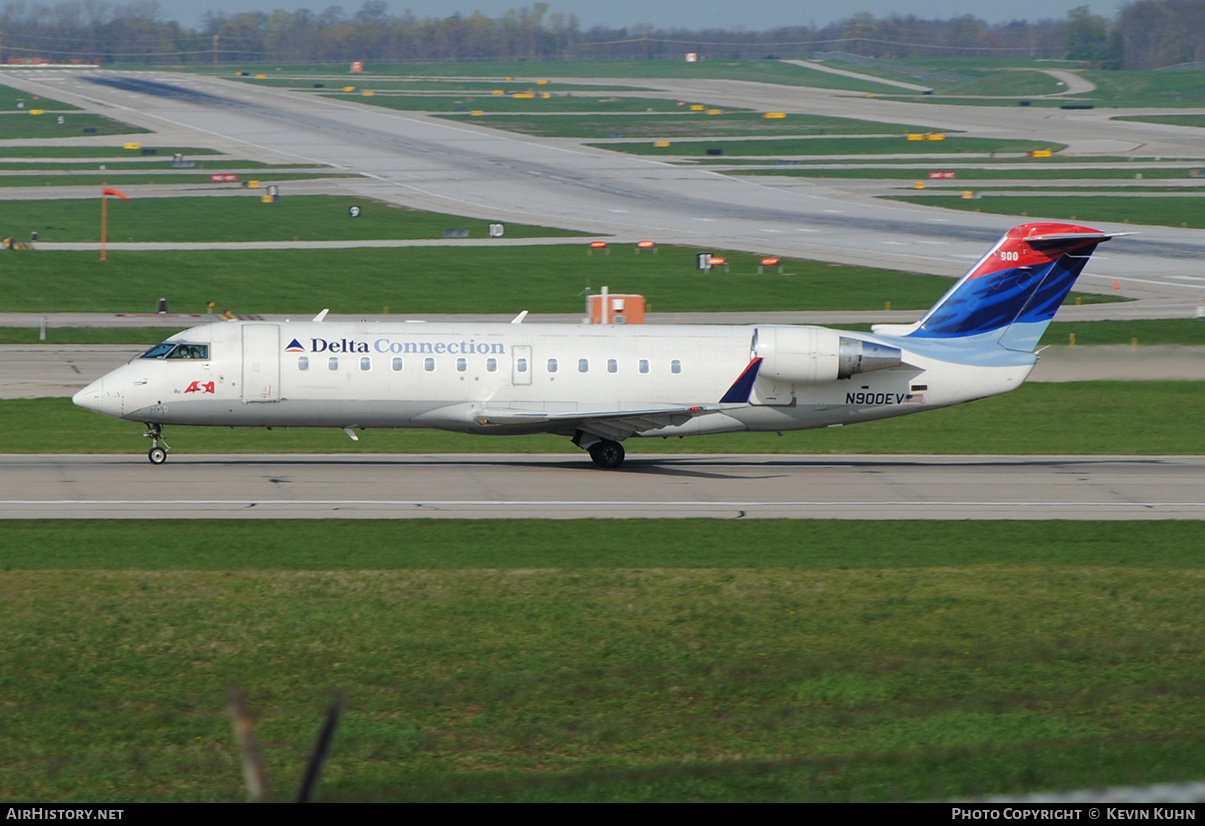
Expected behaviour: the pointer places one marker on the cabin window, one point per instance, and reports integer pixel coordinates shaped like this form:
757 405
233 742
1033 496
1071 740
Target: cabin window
332 363
612 366
583 365
365 363
429 364
521 366
551 365
462 364
644 365
397 364
303 362
675 366
491 365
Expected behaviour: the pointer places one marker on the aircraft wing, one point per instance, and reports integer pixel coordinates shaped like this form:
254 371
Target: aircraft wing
616 425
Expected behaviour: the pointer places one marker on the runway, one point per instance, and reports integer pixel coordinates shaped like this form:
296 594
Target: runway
555 486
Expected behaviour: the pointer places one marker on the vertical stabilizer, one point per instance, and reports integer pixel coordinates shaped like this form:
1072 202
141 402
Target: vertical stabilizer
1012 293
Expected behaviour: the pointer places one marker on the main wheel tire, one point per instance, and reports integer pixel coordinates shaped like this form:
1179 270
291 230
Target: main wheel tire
607 454
157 455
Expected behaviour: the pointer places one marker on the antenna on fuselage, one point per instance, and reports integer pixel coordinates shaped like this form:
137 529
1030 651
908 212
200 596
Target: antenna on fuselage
519 318
322 314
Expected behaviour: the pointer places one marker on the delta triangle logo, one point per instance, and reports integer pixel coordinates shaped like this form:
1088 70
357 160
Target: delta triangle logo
294 347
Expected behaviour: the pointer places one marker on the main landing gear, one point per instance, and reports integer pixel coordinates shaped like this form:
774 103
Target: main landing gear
157 454
607 454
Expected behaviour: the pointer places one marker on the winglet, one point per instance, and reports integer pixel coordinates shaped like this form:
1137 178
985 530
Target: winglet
322 314
740 390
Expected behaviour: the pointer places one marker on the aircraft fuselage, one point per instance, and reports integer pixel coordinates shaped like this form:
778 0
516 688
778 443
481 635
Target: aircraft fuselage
525 378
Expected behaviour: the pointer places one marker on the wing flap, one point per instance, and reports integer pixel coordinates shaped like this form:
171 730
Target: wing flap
606 424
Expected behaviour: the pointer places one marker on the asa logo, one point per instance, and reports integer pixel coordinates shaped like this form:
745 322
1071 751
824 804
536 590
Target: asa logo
198 387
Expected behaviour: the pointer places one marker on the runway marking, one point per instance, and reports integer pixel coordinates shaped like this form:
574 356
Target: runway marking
590 503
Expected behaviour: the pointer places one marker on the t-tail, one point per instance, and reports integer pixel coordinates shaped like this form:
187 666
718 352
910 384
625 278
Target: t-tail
1009 297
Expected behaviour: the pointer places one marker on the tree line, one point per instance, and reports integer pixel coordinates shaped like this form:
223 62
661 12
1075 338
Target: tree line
1144 34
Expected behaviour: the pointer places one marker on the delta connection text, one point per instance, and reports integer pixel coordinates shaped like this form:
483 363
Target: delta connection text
386 345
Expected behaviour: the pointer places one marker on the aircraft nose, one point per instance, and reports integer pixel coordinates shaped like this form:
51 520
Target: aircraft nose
93 398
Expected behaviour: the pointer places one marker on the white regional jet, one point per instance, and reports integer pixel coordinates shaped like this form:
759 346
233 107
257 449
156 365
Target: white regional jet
602 384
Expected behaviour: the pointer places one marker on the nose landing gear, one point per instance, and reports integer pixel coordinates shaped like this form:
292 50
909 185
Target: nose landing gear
157 454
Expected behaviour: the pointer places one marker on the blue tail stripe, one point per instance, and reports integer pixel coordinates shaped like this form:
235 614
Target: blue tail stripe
1018 294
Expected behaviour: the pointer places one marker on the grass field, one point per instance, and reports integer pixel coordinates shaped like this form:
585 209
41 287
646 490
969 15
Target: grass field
952 147
442 279
692 125
1137 89
13 126
1140 418
682 124
1034 172
1175 120
10 98
979 65
765 71
335 82
1169 212
146 165
86 335
1183 332
177 177
241 218
643 660
1147 89
1011 83
507 104
58 152
1118 89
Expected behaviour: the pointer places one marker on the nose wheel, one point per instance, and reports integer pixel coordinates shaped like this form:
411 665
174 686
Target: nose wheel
158 453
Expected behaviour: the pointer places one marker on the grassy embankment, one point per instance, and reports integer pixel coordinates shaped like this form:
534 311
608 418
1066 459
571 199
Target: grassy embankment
242 217
642 660
1158 211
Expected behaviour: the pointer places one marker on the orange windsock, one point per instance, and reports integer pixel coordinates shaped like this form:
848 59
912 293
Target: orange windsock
117 194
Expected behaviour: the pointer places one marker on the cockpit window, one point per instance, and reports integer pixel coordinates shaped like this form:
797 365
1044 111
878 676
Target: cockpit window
159 351
190 351
172 350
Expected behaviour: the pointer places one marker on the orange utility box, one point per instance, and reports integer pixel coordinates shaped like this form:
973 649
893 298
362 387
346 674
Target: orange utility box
613 308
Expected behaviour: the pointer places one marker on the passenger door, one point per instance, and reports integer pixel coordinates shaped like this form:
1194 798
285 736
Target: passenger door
261 363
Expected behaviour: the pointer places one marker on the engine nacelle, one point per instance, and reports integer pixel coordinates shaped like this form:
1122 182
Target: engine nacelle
813 355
